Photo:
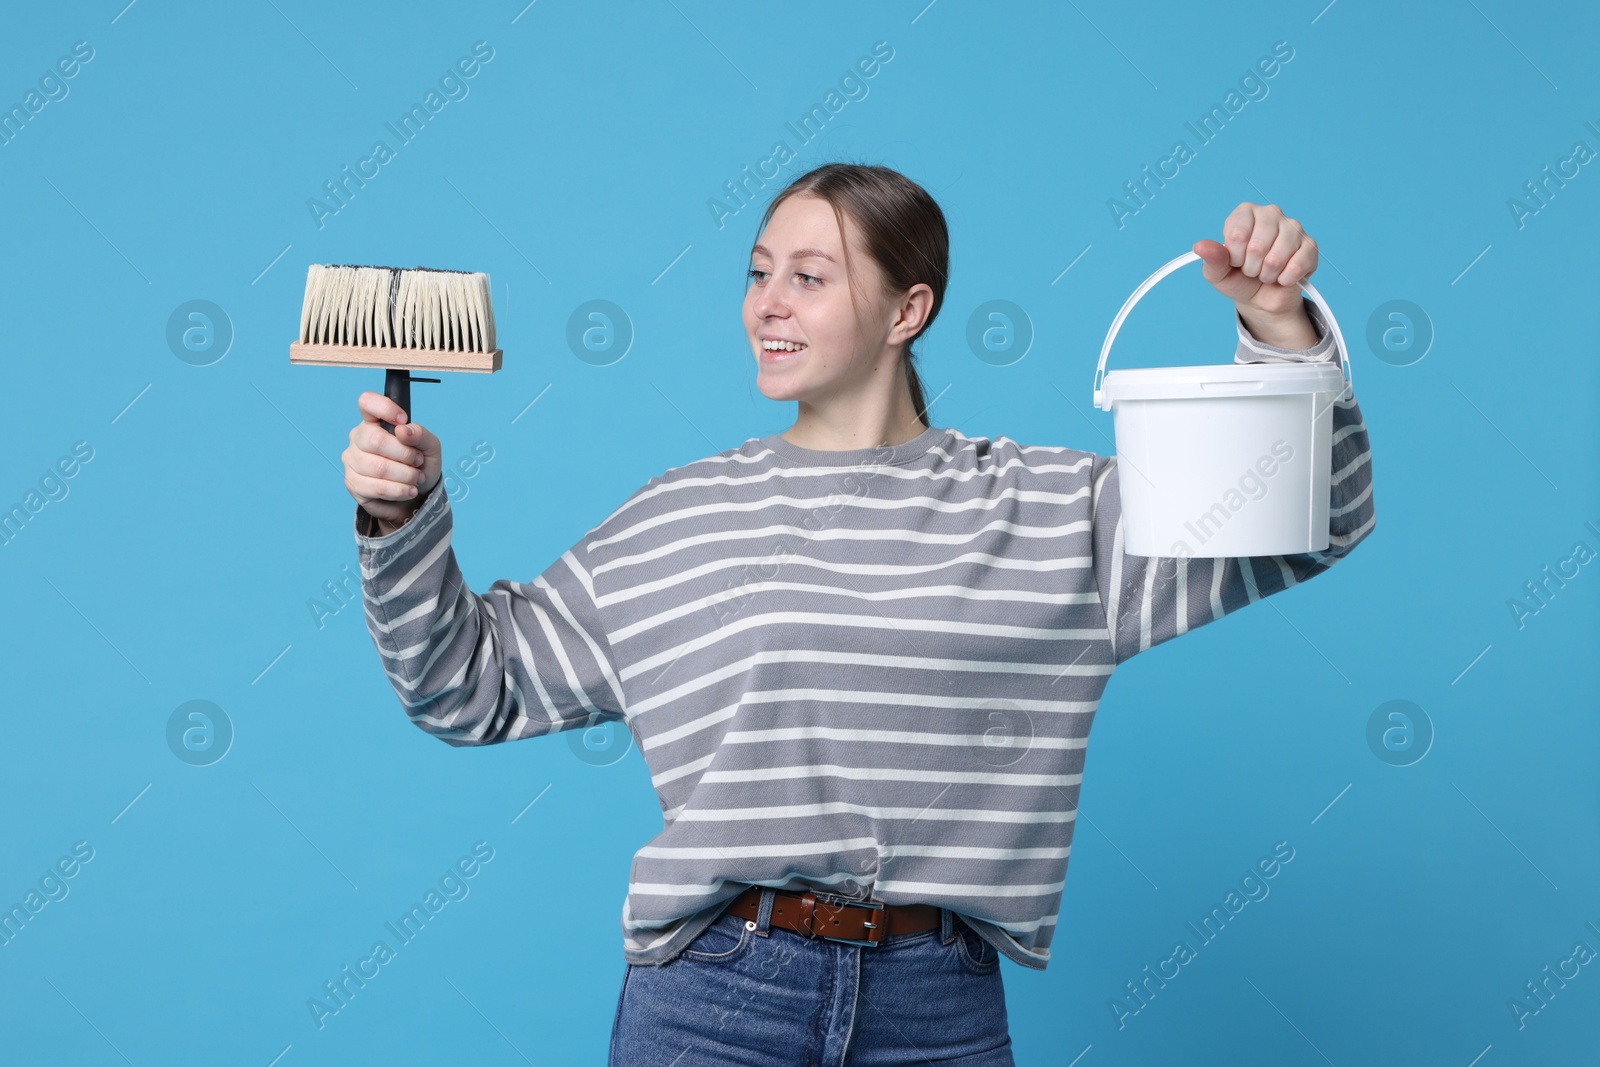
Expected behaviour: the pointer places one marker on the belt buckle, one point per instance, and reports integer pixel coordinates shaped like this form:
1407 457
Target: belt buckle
810 898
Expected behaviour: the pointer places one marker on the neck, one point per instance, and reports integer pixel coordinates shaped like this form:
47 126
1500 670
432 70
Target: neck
813 429
866 418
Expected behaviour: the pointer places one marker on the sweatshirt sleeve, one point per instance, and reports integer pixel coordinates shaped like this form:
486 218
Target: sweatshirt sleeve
520 659
1151 599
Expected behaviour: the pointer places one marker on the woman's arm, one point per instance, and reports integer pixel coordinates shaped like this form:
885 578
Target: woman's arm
1151 599
521 659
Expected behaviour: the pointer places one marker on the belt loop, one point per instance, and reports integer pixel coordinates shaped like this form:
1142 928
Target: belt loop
808 913
947 926
764 912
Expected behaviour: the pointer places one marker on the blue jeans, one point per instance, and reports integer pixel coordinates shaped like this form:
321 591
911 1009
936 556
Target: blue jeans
753 994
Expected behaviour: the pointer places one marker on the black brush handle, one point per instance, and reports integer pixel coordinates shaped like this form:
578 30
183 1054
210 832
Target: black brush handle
397 387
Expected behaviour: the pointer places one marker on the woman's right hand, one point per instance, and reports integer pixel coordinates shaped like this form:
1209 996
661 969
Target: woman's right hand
389 474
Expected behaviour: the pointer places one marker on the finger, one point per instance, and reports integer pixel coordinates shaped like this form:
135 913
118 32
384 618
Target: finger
419 437
1282 250
370 488
1261 238
371 465
1236 231
1299 268
376 466
420 443
408 442
372 439
376 406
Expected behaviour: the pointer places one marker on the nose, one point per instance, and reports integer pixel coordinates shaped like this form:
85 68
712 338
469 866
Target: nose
767 301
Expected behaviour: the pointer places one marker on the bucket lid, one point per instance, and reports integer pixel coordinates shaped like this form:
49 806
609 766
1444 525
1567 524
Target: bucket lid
1230 379
1221 379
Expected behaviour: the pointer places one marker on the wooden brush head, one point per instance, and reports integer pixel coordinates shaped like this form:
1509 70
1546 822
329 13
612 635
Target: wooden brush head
421 319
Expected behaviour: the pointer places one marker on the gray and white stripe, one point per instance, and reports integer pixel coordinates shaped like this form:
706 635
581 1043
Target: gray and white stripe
865 672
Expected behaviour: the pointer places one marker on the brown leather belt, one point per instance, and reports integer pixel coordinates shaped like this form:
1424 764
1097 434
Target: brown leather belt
837 918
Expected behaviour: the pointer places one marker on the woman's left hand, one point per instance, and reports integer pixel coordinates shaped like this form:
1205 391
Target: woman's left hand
1263 258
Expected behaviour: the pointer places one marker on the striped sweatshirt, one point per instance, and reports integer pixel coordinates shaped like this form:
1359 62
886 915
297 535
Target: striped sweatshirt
868 672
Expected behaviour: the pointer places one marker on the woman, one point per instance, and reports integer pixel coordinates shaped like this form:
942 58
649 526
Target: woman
818 637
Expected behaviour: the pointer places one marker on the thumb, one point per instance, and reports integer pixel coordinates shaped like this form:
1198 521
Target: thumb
1215 262
417 437
1217 265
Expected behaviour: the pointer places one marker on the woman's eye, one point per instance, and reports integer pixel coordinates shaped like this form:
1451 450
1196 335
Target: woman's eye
761 276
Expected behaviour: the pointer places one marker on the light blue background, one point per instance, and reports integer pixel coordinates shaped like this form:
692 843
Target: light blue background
180 563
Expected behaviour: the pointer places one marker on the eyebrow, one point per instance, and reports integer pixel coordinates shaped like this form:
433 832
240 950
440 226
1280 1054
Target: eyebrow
799 253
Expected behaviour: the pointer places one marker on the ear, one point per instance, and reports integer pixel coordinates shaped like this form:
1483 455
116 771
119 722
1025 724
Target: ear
912 312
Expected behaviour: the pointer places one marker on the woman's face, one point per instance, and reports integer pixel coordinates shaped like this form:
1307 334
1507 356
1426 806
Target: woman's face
798 292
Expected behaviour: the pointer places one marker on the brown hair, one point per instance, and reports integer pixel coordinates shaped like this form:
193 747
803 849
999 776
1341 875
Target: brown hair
901 225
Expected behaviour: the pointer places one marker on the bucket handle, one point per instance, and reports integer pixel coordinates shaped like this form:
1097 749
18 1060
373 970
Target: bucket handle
1168 268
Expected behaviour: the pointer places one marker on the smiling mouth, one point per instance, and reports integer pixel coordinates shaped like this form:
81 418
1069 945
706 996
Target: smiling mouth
783 346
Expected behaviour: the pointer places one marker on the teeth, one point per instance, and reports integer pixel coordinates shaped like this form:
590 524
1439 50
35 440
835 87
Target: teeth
781 346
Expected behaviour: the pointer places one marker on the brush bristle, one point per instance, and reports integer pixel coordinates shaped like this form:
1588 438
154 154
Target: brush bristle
387 307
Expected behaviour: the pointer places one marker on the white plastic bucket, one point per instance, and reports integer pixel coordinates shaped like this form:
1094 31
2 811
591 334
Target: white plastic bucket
1223 460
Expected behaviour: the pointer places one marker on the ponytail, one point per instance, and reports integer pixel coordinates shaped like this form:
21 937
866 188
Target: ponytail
915 382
